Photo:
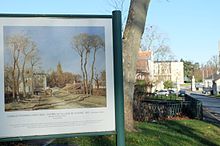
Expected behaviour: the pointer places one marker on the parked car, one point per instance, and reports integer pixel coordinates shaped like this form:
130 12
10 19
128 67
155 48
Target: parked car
163 92
171 91
207 90
182 93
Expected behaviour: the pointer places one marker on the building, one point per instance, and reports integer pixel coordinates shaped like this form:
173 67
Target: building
158 71
215 77
35 83
216 84
169 70
208 82
213 81
144 65
40 82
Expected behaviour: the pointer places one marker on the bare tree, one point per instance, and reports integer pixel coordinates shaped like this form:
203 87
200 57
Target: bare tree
15 46
22 48
119 5
77 45
163 53
131 43
96 78
85 44
77 78
97 43
213 63
150 39
82 44
102 78
28 47
87 47
158 43
34 62
8 84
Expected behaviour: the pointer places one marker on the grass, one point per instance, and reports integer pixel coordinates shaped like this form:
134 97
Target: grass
217 96
185 85
163 133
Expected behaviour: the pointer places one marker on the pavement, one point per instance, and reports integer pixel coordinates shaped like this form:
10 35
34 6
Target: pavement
211 107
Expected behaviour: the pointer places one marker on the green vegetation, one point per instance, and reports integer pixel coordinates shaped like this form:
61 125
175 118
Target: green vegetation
141 82
216 96
163 97
185 85
169 133
168 84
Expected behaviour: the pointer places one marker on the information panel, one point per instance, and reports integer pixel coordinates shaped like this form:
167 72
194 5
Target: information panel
56 76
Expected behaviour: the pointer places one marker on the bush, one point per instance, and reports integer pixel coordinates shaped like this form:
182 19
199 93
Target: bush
168 84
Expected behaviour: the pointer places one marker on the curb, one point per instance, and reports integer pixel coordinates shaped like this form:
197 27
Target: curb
210 96
211 114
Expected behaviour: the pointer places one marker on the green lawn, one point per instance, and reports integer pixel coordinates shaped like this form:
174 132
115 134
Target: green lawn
185 85
217 96
164 133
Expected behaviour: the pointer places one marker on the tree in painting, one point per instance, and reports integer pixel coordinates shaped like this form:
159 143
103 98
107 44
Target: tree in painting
22 50
83 45
97 43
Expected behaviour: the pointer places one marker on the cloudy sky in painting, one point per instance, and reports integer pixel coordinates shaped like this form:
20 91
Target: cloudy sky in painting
54 45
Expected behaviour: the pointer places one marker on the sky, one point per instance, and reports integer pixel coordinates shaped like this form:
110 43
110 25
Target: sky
53 48
192 26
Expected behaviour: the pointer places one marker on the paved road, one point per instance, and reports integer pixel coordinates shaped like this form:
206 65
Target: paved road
209 103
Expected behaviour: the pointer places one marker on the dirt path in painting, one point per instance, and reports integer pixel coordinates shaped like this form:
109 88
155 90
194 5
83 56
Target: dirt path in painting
60 100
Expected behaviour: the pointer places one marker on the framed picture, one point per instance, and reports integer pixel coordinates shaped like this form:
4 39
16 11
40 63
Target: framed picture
56 75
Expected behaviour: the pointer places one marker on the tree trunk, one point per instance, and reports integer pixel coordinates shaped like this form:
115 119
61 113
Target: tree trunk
32 79
131 43
14 74
23 78
83 74
17 82
86 73
26 55
92 70
14 81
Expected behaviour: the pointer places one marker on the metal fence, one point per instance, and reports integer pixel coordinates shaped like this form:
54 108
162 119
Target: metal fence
195 110
148 109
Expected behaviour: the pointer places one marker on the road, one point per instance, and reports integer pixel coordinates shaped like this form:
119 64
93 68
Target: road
210 104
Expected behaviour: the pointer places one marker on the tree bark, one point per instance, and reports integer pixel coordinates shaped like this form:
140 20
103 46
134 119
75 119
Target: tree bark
83 74
14 80
86 73
23 78
17 82
92 70
32 79
134 29
16 54
26 55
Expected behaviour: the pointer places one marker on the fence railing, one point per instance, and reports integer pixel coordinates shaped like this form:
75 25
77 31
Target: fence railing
195 110
148 109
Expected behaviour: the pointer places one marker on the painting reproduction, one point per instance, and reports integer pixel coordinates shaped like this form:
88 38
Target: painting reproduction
54 67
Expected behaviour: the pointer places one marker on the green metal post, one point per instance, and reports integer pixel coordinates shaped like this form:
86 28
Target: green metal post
118 76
